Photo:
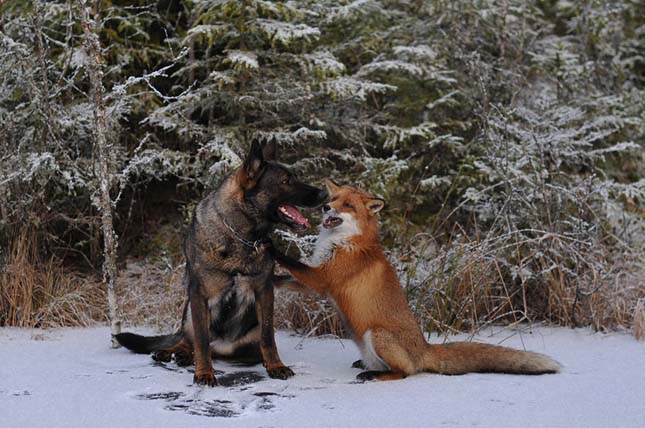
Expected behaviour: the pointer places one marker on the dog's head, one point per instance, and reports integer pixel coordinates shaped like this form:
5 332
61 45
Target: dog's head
350 211
273 190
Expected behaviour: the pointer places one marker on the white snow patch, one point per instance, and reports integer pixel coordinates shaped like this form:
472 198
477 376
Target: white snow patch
72 378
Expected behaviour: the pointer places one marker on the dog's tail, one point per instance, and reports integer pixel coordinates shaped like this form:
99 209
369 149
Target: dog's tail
147 344
461 357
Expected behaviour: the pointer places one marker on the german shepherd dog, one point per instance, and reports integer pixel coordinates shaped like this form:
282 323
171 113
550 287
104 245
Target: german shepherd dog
229 311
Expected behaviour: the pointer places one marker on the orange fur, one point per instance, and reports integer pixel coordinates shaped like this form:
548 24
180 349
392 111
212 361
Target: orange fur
366 290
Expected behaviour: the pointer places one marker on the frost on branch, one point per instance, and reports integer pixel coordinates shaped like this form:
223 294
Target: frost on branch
300 136
323 62
242 60
350 87
286 33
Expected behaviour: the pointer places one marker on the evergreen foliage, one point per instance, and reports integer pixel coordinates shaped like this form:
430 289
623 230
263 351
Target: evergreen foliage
510 129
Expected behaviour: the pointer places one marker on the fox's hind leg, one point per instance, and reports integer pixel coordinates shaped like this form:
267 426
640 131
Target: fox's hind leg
388 350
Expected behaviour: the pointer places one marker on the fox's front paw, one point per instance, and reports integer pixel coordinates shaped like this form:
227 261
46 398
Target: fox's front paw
282 372
359 364
207 378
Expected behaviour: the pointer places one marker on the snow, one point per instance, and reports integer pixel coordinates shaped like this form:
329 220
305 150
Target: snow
72 378
246 59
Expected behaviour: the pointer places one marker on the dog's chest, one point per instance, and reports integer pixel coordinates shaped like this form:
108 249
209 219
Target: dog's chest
233 302
227 254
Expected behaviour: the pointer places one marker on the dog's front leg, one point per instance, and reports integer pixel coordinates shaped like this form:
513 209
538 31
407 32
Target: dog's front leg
204 372
264 307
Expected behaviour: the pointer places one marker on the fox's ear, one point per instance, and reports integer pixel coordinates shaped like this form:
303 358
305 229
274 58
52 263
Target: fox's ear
269 150
331 186
253 166
375 205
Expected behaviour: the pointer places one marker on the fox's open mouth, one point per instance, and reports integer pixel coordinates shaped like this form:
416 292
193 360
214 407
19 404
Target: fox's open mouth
331 222
292 217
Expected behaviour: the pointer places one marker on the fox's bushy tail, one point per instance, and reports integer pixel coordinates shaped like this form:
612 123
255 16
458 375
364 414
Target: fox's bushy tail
464 357
147 344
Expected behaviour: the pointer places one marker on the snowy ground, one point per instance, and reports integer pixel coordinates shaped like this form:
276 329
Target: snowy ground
71 378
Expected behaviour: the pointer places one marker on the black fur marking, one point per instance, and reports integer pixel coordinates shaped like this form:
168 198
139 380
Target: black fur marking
147 344
370 375
234 320
359 364
244 355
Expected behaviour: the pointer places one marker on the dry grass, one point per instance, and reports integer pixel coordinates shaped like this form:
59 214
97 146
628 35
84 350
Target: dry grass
458 287
461 291
307 314
41 294
151 294
470 284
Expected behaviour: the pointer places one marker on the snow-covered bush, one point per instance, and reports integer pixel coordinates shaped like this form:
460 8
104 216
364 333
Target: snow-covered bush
506 137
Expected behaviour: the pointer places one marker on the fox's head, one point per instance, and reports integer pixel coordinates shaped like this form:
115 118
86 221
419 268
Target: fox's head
350 211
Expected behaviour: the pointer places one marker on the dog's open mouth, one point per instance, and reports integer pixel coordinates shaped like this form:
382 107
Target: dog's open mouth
292 217
331 222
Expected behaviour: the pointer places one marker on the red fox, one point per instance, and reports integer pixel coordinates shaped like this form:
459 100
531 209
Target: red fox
351 268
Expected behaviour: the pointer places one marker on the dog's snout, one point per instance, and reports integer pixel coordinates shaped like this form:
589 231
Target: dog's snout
326 208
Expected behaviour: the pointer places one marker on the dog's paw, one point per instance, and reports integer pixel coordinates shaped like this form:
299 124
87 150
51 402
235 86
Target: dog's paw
367 376
282 372
359 364
162 356
207 379
184 359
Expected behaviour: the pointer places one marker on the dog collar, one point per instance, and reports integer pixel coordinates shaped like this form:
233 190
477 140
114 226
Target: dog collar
251 244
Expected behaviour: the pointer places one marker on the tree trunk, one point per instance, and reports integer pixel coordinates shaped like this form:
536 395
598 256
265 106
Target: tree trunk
102 150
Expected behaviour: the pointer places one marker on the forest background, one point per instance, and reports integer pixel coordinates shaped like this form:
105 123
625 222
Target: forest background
506 137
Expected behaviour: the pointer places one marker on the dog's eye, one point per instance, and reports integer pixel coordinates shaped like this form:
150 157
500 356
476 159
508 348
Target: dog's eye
285 181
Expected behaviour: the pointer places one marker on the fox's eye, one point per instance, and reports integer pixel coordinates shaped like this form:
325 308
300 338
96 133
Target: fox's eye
285 181
348 205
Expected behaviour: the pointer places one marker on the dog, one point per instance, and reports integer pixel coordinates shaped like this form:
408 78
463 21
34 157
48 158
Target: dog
229 309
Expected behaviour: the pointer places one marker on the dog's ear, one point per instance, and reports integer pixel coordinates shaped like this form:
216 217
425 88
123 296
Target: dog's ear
253 166
331 186
269 151
374 205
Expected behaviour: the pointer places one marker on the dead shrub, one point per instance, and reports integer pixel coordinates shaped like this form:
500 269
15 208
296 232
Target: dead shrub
306 314
151 294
